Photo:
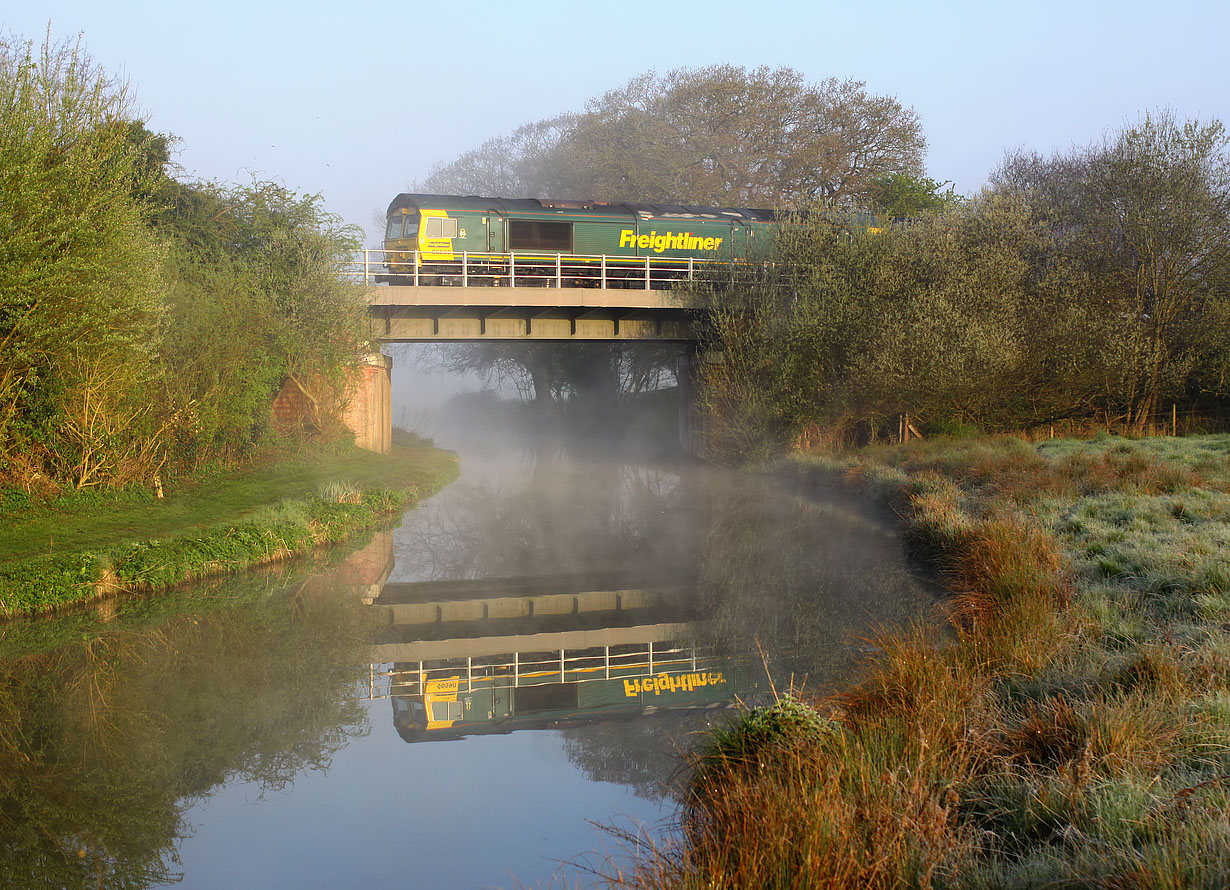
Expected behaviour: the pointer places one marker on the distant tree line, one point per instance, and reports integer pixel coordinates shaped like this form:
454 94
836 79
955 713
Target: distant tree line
1093 284
146 322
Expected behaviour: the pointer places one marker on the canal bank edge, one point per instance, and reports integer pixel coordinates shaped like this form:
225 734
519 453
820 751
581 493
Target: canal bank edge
290 527
1057 700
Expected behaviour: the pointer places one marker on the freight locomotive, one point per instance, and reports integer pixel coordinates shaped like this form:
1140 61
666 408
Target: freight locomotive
447 239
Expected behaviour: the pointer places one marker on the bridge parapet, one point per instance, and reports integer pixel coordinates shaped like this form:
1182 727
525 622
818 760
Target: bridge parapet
400 295
533 270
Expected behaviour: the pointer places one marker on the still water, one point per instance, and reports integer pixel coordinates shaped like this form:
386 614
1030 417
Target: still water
460 702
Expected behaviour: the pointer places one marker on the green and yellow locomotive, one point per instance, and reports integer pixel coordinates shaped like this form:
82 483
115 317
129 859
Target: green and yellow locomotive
446 239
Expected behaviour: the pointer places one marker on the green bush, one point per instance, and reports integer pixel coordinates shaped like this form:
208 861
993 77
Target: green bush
39 584
744 740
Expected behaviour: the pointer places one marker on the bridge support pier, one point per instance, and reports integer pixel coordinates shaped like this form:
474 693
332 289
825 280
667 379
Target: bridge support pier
691 439
369 414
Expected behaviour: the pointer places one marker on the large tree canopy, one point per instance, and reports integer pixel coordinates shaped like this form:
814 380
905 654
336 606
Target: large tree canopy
720 135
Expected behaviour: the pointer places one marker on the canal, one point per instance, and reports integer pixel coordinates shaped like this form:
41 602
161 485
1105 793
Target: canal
471 699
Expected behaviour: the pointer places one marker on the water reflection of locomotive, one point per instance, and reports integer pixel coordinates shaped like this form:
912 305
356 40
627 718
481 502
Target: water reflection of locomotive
540 690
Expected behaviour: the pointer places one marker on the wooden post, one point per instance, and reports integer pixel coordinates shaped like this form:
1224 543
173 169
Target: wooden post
1174 419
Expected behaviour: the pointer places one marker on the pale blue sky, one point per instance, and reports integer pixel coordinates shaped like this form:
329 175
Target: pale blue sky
356 100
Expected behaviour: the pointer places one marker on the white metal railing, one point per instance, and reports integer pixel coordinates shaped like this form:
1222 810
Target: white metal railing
534 668
468 269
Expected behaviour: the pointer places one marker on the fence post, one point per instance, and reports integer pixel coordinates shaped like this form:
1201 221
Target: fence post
559 270
512 269
465 268
647 287
603 286
416 268
365 267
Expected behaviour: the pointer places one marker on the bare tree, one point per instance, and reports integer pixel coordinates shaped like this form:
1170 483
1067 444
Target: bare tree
719 135
514 166
858 138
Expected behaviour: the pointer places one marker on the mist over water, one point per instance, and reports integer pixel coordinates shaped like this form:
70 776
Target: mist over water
451 703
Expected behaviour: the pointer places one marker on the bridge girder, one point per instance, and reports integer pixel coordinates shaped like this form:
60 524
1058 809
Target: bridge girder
429 323
416 314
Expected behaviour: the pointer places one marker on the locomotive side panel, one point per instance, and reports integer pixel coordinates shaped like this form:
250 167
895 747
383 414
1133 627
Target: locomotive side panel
601 238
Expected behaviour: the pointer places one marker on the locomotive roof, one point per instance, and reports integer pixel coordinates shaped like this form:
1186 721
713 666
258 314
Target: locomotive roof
511 206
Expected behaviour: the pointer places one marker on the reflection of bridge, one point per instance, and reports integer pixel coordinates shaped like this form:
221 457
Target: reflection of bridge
469 619
491 655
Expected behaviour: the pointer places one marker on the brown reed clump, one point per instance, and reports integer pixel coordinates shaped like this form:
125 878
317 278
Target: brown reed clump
838 815
1001 561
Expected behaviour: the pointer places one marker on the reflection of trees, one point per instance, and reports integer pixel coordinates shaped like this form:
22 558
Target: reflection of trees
603 372
105 741
556 516
641 754
806 578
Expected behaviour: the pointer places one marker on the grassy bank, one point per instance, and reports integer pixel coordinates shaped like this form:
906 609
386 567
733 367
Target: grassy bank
80 546
1065 723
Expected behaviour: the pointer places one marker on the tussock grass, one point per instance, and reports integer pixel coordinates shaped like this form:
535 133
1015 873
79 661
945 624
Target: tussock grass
1068 727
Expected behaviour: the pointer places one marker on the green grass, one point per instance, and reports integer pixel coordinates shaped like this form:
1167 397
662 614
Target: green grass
78 547
98 520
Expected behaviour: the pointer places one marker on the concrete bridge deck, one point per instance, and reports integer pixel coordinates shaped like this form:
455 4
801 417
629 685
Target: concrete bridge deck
405 313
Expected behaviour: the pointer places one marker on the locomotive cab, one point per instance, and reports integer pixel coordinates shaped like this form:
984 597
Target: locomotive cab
435 237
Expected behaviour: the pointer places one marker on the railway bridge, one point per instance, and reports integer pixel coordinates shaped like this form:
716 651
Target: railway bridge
539 297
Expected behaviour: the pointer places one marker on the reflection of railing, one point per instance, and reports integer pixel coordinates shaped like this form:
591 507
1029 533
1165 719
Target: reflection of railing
410 268
536 668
